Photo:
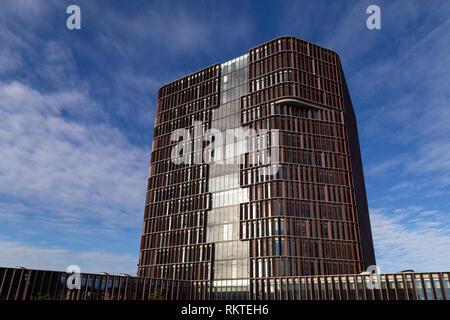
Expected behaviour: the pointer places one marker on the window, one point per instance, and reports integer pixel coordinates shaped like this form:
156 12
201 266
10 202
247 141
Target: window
419 288
277 248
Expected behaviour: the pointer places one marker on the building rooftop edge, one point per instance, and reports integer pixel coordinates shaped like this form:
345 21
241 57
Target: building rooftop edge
310 276
252 48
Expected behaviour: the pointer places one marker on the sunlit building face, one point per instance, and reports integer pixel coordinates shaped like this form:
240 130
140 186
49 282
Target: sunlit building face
269 184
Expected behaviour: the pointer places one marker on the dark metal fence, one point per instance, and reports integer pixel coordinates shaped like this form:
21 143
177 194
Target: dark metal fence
27 284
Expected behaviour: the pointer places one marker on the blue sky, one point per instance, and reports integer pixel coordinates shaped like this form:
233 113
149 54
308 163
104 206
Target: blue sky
77 111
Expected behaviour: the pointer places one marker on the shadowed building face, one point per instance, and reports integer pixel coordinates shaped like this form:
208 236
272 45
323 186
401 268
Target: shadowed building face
286 199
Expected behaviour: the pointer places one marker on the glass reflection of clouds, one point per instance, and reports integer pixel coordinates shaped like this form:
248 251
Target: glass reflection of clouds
231 254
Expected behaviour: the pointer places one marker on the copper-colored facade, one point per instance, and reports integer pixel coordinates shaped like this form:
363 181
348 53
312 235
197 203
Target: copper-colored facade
173 244
24 284
309 218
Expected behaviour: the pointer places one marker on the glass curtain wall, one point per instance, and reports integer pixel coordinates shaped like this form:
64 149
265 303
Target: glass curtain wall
230 265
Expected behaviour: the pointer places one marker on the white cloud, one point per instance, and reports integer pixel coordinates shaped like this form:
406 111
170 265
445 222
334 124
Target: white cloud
53 258
412 238
432 156
383 167
68 175
174 29
70 166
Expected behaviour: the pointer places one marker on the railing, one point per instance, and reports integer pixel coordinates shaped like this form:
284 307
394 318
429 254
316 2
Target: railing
28 284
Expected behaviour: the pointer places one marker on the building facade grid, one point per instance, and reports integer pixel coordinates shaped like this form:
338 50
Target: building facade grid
227 223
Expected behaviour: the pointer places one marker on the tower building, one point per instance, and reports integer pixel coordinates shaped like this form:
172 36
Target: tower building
256 175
